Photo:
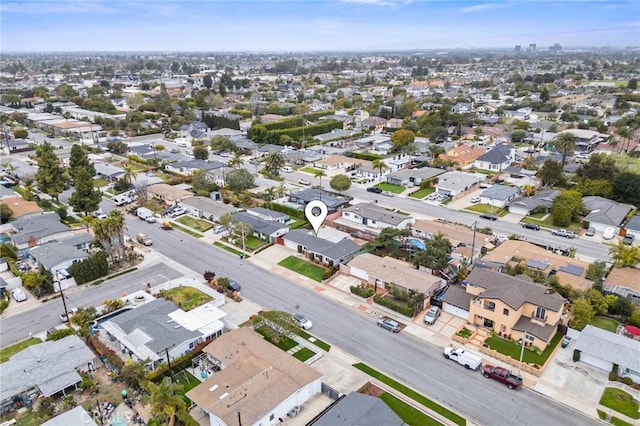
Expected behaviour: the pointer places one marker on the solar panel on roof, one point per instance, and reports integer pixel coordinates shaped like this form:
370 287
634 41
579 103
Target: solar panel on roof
572 269
538 264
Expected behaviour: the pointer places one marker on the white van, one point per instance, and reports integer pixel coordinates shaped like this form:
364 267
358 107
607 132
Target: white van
286 169
609 233
469 360
146 214
219 229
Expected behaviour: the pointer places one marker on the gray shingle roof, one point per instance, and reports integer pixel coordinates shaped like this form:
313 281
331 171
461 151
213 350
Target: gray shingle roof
332 201
357 409
262 226
37 226
634 223
500 192
318 245
610 347
53 253
543 198
458 297
603 210
50 366
377 213
267 212
499 154
543 332
75 416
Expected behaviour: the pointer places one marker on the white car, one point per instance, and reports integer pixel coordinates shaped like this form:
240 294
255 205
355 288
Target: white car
18 294
475 199
303 321
178 211
432 315
99 214
304 182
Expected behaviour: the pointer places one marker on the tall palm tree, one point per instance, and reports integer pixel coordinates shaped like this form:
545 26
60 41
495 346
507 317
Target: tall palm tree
273 161
117 226
235 161
318 174
434 150
624 256
625 133
129 174
379 165
565 143
101 233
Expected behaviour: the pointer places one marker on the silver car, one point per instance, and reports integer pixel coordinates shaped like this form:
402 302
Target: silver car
389 324
432 315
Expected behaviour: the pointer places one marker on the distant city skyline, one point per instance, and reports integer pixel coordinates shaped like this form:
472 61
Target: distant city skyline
306 25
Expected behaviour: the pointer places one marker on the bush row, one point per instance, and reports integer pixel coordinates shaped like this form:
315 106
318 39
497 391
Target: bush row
403 309
362 291
94 267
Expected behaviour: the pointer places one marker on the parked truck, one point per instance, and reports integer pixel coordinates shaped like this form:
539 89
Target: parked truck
145 214
502 375
470 360
144 239
125 198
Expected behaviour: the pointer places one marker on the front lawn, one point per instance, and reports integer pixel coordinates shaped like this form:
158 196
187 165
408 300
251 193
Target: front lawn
309 170
513 349
620 401
99 183
396 189
422 193
319 343
285 343
187 231
407 413
304 354
303 267
9 351
548 223
197 224
186 298
229 249
605 323
486 208
252 243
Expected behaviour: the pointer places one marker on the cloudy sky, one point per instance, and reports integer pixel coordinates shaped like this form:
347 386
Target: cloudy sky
312 25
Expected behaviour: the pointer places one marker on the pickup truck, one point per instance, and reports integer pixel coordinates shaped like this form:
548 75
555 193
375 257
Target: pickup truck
502 375
563 233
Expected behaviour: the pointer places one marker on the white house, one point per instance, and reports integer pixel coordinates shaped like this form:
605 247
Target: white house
375 216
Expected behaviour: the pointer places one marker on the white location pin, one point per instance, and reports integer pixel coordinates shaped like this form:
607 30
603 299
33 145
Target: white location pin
316 212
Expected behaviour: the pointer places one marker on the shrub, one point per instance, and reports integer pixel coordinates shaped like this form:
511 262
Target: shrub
613 375
60 334
94 267
363 290
403 309
586 224
62 212
627 381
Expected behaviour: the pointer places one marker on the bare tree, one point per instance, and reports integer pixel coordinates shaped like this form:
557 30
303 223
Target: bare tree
142 190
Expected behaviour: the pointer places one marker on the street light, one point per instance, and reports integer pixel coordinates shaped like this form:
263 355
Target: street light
473 242
524 336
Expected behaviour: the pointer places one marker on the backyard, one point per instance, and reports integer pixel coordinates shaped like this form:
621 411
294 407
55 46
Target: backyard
396 189
197 224
422 193
186 298
620 401
605 323
303 267
513 349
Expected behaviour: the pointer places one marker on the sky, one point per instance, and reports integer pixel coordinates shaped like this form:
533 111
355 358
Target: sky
312 25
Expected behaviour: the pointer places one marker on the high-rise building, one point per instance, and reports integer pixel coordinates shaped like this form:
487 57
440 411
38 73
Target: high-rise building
555 48
518 48
532 47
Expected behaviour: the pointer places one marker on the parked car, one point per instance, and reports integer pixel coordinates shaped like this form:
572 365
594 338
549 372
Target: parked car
628 239
590 232
475 199
563 233
374 189
531 226
286 169
99 214
462 356
502 375
63 316
234 286
218 229
488 216
178 211
432 315
387 193
18 295
389 324
609 233
144 239
167 226
304 182
303 321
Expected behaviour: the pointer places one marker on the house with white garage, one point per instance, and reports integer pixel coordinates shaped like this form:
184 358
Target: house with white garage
499 195
327 252
605 213
34 229
497 159
525 205
413 177
375 216
205 207
633 227
456 183
55 255
264 229
602 349
269 215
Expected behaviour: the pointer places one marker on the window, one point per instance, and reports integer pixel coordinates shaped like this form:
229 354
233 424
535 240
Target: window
505 312
490 306
541 313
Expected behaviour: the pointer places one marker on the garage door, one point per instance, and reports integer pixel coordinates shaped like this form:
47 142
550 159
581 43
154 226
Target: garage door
596 362
454 310
359 273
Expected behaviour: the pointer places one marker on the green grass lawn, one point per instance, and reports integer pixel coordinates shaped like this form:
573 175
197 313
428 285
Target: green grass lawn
99 183
418 397
407 413
396 189
285 343
186 298
253 243
187 230
605 323
309 170
229 249
188 382
29 418
513 349
319 343
486 208
9 351
620 401
548 223
197 224
303 267
422 193
304 354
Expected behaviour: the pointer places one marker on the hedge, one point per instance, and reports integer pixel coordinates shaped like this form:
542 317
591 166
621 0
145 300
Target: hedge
312 130
287 123
315 116
362 291
405 310
365 156
285 209
94 267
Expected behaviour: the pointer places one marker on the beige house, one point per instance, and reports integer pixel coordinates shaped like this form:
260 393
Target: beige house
336 163
512 307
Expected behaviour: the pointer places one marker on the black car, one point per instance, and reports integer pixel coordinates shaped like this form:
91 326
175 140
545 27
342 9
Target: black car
531 226
374 189
489 216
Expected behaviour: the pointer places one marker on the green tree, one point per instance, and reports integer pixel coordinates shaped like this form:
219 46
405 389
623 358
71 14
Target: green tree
387 237
85 197
201 152
582 313
207 81
436 255
407 108
544 95
379 165
402 139
50 175
566 144
599 166
6 214
239 180
567 207
319 173
129 175
434 151
235 161
78 159
601 187
273 162
626 188
275 324
518 136
635 318
596 272
340 183
165 400
551 174
20 133
624 256
597 300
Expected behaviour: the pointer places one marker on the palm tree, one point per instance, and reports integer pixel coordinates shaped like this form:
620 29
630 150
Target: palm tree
435 151
624 256
318 174
101 233
273 161
625 134
129 174
235 161
117 226
88 221
565 143
379 165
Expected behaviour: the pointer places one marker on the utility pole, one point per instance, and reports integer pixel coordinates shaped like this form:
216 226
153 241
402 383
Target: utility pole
166 351
473 242
64 303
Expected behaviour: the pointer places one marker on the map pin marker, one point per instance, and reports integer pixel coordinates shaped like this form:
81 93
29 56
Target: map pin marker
316 212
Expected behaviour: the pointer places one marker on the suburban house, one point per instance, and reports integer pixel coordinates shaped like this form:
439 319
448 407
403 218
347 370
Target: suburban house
169 194
264 229
75 416
624 282
633 227
570 271
195 129
387 272
513 307
109 172
374 216
525 205
34 229
499 195
258 383
55 255
413 177
587 140
605 213
212 168
336 163
147 331
358 409
604 349
269 215
327 252
457 234
366 170
205 207
455 183
462 155
333 202
44 369
497 159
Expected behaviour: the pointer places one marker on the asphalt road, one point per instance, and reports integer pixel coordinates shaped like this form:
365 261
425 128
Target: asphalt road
411 360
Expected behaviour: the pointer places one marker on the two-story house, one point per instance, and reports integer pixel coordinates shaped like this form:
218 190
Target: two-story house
497 159
513 307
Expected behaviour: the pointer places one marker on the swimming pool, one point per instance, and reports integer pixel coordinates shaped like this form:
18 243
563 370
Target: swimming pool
417 243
